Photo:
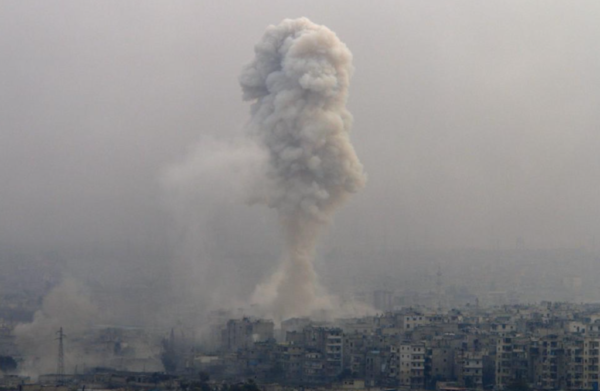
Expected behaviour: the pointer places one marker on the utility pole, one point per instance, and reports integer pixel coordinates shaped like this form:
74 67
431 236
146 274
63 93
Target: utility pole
60 367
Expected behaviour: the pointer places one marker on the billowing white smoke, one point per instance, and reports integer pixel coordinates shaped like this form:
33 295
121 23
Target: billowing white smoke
68 305
299 82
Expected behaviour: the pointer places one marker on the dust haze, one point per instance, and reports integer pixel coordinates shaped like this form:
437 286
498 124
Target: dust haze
128 175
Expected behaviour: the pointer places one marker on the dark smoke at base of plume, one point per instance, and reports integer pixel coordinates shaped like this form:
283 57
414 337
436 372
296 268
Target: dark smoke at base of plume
299 83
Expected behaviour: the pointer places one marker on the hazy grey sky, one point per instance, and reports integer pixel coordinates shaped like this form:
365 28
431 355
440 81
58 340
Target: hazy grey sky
477 122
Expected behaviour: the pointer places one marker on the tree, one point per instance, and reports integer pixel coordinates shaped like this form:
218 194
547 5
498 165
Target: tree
7 364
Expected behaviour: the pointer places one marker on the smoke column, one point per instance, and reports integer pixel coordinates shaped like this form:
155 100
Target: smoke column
298 83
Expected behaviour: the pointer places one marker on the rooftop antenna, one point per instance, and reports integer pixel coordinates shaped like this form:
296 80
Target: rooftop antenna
439 287
60 367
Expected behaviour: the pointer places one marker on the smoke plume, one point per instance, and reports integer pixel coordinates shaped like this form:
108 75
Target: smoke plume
216 176
67 305
298 83
90 341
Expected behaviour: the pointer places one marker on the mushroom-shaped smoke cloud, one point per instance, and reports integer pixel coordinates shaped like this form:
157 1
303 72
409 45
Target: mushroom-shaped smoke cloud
299 82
